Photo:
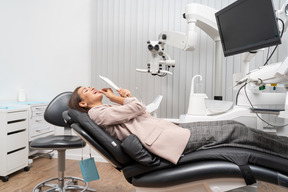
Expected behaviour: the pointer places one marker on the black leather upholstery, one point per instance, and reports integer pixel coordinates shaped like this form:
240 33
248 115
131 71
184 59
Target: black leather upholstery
53 115
53 112
134 148
202 170
211 163
58 142
199 165
112 145
98 147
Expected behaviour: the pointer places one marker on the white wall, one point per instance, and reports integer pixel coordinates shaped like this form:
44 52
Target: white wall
45 47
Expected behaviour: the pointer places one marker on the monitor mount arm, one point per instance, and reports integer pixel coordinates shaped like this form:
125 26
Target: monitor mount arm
276 73
282 14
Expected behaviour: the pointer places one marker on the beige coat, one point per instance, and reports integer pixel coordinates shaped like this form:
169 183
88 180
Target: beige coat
160 137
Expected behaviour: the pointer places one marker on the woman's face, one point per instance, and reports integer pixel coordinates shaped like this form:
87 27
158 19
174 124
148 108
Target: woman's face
90 97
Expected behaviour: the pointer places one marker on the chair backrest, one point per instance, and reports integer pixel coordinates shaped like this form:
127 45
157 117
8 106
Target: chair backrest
54 110
105 144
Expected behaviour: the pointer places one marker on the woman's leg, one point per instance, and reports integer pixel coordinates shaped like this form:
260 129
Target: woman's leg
206 135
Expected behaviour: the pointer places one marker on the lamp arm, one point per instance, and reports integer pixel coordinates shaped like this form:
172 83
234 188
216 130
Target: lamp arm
196 15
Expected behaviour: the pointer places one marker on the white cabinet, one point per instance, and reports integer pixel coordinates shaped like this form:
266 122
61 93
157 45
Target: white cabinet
14 145
20 123
38 127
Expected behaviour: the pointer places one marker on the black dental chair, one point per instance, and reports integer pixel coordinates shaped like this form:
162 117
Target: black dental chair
53 115
219 169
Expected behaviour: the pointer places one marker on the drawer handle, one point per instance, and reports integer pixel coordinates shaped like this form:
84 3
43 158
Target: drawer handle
40 108
16 121
38 121
43 129
39 114
15 132
14 151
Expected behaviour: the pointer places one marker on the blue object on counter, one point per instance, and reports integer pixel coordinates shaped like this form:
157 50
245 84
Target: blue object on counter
9 107
28 102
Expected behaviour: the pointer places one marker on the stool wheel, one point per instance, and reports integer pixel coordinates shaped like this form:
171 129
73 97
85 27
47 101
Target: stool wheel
27 168
5 179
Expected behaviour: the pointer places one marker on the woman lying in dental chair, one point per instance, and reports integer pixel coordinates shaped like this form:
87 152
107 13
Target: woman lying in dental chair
164 138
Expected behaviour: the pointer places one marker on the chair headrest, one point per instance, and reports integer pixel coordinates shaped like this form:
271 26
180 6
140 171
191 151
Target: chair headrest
54 110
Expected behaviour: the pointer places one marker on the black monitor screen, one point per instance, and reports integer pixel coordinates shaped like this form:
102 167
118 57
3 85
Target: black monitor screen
247 25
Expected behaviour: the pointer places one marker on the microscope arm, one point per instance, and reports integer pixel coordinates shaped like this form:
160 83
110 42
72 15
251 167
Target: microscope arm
196 15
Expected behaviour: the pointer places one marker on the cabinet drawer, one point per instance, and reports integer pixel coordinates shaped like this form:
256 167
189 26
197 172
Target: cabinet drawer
39 126
17 125
37 113
17 160
41 130
38 110
37 122
16 115
17 140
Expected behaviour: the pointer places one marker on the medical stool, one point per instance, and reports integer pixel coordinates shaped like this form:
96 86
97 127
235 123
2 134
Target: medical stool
53 115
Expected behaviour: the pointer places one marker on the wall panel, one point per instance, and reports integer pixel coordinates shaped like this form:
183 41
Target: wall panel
122 29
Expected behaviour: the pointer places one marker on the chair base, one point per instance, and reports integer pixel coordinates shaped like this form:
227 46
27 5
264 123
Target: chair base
208 185
71 183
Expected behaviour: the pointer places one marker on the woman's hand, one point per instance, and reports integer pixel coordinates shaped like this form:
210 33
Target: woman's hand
113 98
124 92
107 92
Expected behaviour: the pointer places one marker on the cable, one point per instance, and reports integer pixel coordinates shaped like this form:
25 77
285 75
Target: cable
239 92
268 53
276 126
276 45
283 26
244 86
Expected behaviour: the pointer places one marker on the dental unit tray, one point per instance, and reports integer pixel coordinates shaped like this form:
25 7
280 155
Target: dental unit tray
109 82
266 111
